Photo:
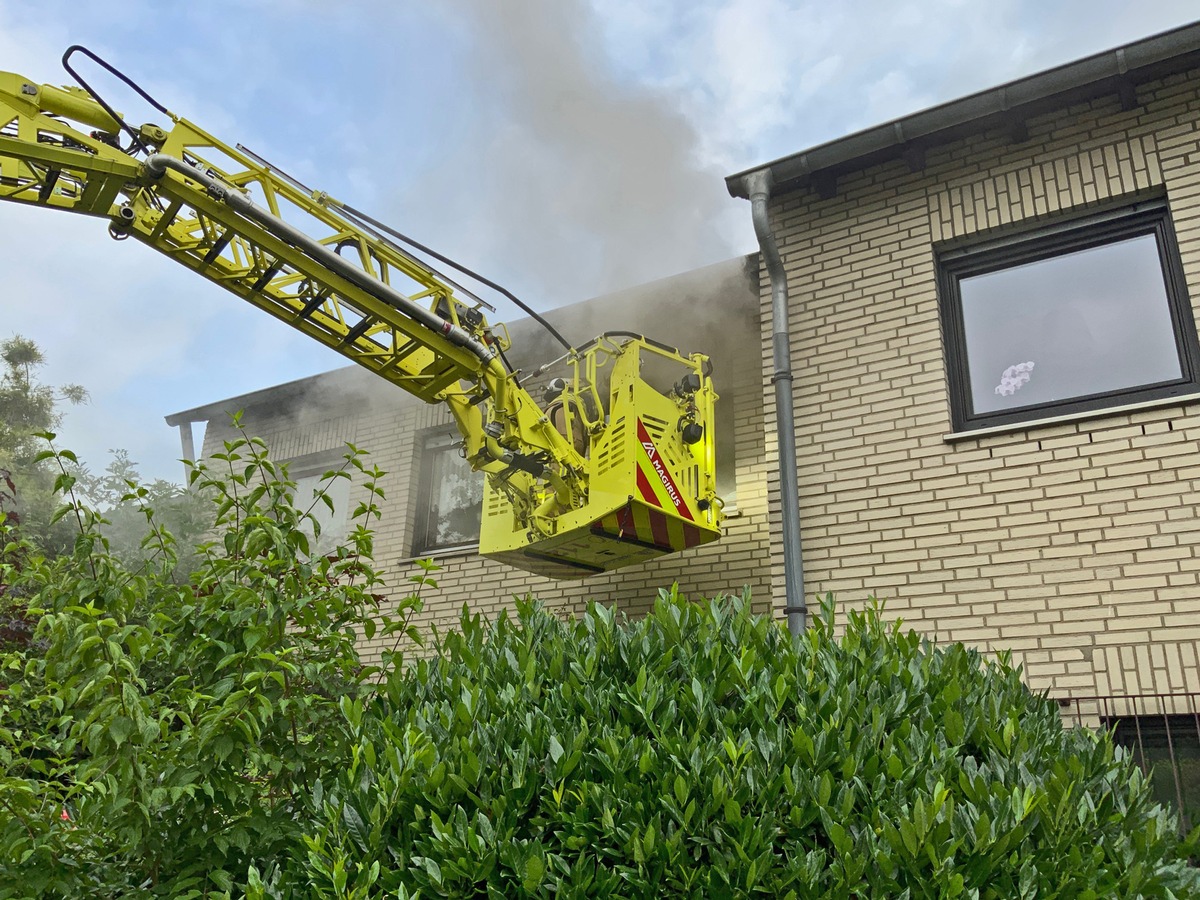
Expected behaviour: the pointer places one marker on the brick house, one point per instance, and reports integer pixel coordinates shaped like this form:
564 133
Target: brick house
432 507
991 312
990 306
1049 508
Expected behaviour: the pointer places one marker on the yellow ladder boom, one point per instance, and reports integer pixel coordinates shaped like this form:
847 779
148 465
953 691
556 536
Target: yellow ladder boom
302 257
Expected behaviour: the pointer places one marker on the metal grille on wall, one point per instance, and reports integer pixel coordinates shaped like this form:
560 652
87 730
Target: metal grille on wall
1162 731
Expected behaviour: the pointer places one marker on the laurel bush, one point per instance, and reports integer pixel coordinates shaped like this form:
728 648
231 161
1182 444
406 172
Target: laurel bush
158 739
703 752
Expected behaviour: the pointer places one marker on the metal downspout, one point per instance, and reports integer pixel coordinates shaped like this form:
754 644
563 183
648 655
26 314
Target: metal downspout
758 186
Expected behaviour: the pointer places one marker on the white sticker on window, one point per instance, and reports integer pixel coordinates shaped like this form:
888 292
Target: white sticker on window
1013 377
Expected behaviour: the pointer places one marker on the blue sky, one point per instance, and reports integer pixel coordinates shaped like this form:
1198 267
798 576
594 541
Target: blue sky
565 148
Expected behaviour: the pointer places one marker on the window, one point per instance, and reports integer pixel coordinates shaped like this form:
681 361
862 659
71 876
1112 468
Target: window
334 523
1082 316
450 499
1161 732
1168 748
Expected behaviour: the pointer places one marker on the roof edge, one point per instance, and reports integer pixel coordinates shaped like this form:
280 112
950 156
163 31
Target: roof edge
275 394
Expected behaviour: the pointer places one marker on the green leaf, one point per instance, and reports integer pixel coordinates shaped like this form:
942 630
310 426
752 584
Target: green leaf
356 827
983 826
824 789
681 791
952 721
222 879
432 869
645 762
803 745
534 870
120 728
841 841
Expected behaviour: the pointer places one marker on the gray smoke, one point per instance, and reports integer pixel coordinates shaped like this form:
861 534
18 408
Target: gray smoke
571 184
570 181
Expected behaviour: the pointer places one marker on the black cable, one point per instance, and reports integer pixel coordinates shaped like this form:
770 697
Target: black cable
448 261
134 136
630 334
504 359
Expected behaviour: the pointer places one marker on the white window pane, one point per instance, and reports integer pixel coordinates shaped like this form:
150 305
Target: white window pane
334 523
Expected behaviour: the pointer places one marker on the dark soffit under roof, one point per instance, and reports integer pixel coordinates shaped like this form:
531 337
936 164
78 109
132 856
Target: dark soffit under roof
1116 71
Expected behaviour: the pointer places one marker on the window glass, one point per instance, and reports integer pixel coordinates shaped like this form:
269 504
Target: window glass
1168 748
452 496
334 523
1086 322
1085 315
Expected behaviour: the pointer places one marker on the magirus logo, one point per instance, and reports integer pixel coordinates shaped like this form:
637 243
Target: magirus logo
660 470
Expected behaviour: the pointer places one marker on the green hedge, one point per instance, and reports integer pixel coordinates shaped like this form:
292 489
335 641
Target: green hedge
703 752
224 738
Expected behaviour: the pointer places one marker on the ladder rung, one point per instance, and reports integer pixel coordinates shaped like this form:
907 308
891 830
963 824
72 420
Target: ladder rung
266 276
444 379
167 218
358 330
317 299
219 247
48 185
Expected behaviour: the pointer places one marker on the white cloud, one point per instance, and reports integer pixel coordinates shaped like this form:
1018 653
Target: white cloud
765 78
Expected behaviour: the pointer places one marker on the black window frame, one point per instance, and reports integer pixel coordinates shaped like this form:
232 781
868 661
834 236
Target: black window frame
1083 233
432 445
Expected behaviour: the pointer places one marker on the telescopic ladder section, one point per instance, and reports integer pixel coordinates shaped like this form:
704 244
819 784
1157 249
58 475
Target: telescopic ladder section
298 255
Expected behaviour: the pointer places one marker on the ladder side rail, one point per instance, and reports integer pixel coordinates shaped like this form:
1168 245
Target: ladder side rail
442 353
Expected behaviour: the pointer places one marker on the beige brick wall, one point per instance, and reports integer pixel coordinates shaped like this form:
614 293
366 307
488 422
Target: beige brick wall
1074 545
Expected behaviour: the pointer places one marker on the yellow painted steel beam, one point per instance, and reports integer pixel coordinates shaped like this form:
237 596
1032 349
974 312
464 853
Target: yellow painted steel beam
225 214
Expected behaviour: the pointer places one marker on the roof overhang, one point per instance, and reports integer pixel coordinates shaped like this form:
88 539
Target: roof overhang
347 384
1009 106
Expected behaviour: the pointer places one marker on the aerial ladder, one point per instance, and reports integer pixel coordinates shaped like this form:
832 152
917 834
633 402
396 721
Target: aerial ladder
615 465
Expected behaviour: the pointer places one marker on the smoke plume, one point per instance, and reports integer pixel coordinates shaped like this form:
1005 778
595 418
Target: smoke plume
570 182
